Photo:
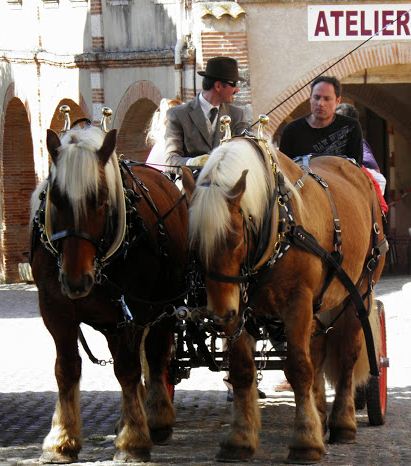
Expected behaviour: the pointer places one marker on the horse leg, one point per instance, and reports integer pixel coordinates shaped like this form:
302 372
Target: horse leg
318 353
307 444
242 440
133 439
343 348
63 443
159 407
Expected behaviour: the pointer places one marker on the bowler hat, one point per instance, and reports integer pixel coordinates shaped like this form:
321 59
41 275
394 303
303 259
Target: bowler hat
222 69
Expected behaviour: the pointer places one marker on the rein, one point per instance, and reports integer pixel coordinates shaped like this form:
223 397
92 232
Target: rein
306 241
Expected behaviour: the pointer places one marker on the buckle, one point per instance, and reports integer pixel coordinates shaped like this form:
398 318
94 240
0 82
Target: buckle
337 225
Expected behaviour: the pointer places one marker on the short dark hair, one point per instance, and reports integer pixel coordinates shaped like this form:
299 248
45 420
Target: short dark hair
330 80
348 110
208 83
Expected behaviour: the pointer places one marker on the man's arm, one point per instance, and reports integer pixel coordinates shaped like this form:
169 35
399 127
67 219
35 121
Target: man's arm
286 146
174 141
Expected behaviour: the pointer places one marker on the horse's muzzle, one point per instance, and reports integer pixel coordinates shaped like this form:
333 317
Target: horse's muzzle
75 289
221 320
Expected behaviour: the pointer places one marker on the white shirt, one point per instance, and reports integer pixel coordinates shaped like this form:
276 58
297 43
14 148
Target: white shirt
157 156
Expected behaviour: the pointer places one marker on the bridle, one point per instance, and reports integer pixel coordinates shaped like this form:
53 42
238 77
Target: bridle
247 269
53 242
281 196
101 245
252 268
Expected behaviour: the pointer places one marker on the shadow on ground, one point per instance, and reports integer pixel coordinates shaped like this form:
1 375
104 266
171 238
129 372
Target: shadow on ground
202 420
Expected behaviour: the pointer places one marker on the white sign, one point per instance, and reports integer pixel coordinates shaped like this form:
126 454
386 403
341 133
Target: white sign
359 22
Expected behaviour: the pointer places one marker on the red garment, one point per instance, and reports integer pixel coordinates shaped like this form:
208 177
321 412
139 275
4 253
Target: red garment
383 204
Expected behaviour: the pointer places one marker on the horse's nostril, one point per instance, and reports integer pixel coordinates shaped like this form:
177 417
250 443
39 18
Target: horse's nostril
88 281
77 288
230 315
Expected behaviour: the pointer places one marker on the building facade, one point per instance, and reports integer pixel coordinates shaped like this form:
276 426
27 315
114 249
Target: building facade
128 54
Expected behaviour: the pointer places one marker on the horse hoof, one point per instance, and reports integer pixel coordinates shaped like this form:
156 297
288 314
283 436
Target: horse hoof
161 436
304 456
132 456
57 458
234 454
342 436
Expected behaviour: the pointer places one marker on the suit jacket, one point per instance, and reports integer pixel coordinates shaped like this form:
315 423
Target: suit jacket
187 134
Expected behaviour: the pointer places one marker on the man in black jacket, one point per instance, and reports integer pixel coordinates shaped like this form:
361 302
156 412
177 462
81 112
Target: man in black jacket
323 132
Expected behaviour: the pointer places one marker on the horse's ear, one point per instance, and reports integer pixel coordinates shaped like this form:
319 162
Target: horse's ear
188 182
53 143
238 189
108 146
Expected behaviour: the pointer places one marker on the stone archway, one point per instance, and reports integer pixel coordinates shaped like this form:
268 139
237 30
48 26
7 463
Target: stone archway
368 57
133 117
376 78
19 181
383 104
131 139
138 90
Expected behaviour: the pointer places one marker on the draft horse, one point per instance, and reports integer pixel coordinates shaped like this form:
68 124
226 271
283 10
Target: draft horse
252 213
109 250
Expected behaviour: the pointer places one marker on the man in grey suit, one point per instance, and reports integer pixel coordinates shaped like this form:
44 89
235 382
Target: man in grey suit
193 129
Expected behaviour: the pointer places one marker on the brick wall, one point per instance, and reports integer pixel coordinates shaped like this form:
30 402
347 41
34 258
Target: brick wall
18 184
231 44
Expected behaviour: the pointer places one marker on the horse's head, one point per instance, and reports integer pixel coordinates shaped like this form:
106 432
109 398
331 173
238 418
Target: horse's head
82 195
227 205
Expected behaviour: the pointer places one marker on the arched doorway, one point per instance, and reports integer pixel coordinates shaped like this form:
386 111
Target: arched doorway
382 94
132 136
19 181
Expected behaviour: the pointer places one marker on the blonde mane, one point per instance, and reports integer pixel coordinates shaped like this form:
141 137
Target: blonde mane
209 221
77 173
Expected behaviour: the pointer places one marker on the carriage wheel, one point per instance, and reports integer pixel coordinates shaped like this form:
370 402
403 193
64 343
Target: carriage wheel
376 391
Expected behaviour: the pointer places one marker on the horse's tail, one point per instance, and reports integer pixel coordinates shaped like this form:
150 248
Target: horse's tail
340 341
362 366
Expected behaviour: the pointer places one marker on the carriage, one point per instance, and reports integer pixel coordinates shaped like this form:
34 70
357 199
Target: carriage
111 248
196 347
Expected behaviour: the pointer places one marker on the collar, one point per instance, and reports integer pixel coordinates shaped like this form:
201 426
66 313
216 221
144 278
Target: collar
308 118
205 105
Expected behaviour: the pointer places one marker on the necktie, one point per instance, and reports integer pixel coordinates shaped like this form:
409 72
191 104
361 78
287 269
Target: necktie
213 114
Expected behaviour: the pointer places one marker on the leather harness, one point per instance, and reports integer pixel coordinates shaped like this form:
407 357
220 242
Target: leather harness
289 233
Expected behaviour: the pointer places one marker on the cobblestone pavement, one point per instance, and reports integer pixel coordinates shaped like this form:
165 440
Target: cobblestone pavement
28 394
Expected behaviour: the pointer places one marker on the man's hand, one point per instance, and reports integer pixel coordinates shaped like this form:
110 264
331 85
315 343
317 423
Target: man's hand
198 161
